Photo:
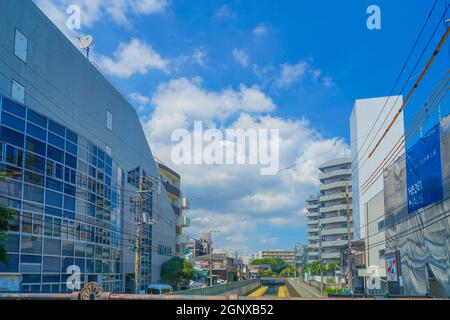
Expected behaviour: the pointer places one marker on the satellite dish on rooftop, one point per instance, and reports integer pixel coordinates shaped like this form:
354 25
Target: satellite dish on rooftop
85 43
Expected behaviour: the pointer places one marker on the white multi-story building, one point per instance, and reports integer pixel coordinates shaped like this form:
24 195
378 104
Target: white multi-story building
368 196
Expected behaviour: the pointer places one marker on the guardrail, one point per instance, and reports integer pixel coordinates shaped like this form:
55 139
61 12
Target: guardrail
239 287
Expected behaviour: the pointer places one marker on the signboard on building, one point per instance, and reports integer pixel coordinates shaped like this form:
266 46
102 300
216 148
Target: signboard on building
424 171
392 268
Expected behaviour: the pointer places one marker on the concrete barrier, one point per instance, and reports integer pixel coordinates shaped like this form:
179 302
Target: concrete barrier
240 288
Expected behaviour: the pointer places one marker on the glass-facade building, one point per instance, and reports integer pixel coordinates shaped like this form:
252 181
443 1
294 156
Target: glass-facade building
68 197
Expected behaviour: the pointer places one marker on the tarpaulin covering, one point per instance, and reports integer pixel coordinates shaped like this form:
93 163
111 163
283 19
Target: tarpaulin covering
423 171
422 237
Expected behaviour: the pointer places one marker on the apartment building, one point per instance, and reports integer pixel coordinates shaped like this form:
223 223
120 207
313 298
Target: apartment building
312 214
172 182
75 156
287 256
335 207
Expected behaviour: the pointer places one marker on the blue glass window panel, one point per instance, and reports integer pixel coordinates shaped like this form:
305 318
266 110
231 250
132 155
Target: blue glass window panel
53 199
35 146
69 215
101 165
32 193
54 184
51 278
55 140
36 118
70 147
108 181
92 172
11 136
55 154
69 203
69 175
14 108
36 132
30 259
80 263
71 136
56 128
34 178
101 155
53 212
35 163
71 161
69 189
67 262
93 149
89 266
108 160
31 278
13 264
13 122
108 170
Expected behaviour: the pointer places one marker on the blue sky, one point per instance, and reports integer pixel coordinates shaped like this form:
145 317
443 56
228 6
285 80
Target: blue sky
307 60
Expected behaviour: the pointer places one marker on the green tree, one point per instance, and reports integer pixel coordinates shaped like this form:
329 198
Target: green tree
288 272
176 272
331 268
6 215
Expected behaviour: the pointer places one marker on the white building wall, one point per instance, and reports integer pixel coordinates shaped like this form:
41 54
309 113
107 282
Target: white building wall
364 115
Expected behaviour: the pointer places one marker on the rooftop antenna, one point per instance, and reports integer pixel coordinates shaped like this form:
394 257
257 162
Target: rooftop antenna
85 43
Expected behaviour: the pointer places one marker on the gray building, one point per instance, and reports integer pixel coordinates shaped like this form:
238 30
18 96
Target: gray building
327 214
73 152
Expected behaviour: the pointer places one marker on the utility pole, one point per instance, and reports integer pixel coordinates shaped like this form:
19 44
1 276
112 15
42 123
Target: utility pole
210 256
349 240
138 218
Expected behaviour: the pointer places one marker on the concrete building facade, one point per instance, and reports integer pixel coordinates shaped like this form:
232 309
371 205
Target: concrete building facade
172 183
335 181
287 256
73 152
312 214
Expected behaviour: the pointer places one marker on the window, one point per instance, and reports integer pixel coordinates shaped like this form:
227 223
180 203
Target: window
35 146
34 163
32 193
53 199
18 92
55 154
13 122
382 253
21 46
36 118
109 120
34 178
55 140
56 128
36 132
381 225
12 137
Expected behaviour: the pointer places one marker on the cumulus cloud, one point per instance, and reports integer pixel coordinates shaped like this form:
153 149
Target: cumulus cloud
224 12
131 58
235 198
241 57
260 30
92 11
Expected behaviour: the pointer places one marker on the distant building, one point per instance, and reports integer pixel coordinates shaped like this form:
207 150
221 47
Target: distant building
287 256
224 267
312 208
301 254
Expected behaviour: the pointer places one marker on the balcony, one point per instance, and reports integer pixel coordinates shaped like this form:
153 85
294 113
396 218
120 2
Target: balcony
339 219
176 210
336 231
312 222
334 185
335 243
336 173
182 239
183 221
313 238
172 189
336 196
337 207
311 206
313 230
311 214
332 255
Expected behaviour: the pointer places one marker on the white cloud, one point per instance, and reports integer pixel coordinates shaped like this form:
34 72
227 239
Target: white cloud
131 58
140 100
241 57
225 12
93 11
292 73
260 30
234 198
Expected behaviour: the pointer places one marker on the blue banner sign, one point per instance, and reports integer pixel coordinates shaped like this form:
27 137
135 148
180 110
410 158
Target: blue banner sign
424 171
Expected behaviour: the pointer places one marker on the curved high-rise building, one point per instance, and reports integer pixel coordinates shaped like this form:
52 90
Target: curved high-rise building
74 158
